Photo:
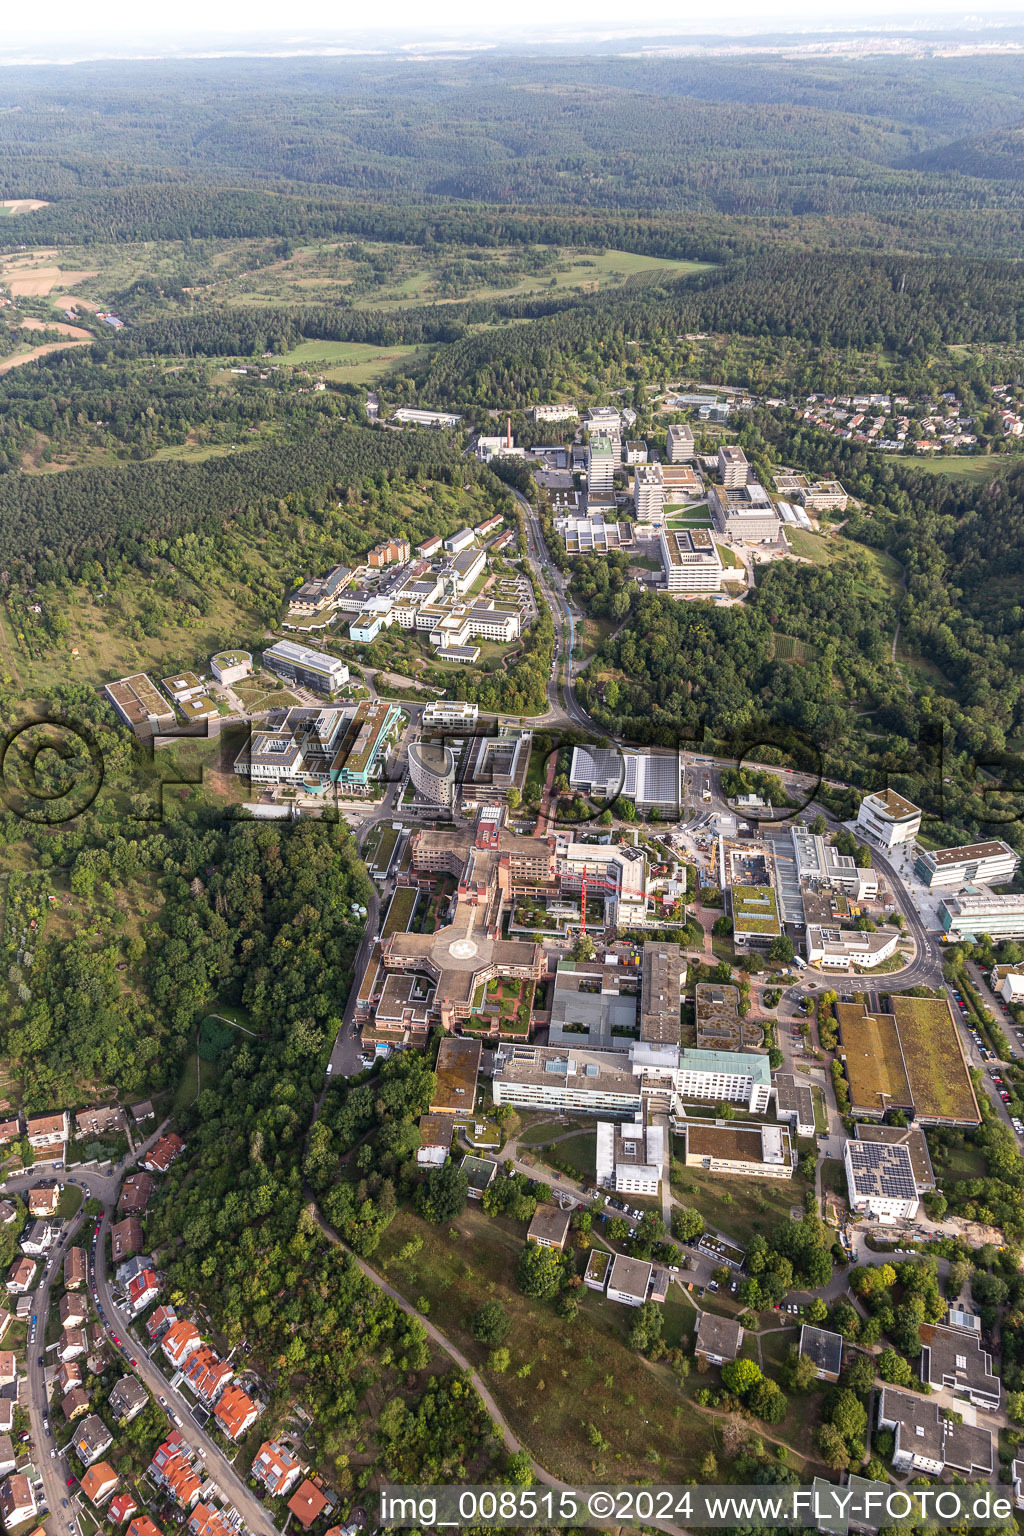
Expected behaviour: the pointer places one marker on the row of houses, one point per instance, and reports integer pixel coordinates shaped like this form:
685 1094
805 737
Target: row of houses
210 1378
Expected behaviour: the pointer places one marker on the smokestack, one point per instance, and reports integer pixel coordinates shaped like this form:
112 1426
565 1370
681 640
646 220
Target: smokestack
508 431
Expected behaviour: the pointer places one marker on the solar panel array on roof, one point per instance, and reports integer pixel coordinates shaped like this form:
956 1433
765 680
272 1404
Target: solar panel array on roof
879 1168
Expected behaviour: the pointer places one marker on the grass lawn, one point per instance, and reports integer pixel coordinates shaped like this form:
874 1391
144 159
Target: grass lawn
833 1177
352 361
960 1163
542 1129
579 1152
69 1202
813 546
739 1207
582 1402
967 466
195 1076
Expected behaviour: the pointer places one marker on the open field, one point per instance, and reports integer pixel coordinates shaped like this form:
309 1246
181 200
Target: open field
29 281
981 467
12 205
33 323
30 356
351 362
566 1380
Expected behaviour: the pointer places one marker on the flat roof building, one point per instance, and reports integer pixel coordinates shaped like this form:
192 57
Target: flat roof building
794 1102
889 818
953 1359
968 917
825 1349
648 492
690 560
679 446
991 863
727 1147
845 949
549 1227
733 468
880 1180
141 705
630 1156
662 979
629 1280
927 1441
718 1339
308 668
910 1136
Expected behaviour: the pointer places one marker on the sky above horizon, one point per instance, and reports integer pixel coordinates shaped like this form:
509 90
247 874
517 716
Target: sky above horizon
234 24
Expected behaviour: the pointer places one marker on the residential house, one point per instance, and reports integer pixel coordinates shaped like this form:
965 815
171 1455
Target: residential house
68 1376
8 1212
307 1504
10 1130
7 1407
142 1525
127 1399
172 1470
100 1120
142 1289
135 1194
47 1133
91 1439
276 1468
76 1269
75 1403
207 1374
122 1507
159 1321
99 1482
143 1111
163 1153
718 1339
20 1276
206 1520
8 1367
8 1458
235 1412
73 1343
44 1198
38 1238
73 1311
181 1340
126 1238
17 1500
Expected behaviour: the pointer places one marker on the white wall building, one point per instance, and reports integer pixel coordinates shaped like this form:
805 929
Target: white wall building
690 560
630 1156
733 468
451 712
680 445
432 771
889 818
880 1180
648 492
602 461
991 863
840 949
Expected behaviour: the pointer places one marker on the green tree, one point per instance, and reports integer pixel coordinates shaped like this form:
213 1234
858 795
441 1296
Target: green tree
491 1323
781 950
539 1271
443 1194
740 1375
894 1369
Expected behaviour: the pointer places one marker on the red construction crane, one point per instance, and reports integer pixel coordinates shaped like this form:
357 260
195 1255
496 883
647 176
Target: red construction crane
604 885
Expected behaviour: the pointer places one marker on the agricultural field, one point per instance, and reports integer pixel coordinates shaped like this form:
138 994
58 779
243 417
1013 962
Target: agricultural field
351 362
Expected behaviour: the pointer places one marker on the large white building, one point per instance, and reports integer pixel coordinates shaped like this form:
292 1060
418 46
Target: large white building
744 513
818 861
840 949
680 445
630 1156
880 1180
308 668
618 874
648 492
690 560
968 917
992 863
621 1082
451 712
889 819
602 461
733 468
432 771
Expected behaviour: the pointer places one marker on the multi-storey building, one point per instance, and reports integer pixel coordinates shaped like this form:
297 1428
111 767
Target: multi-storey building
602 462
680 445
733 469
648 492
991 863
690 560
889 818
967 917
308 668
